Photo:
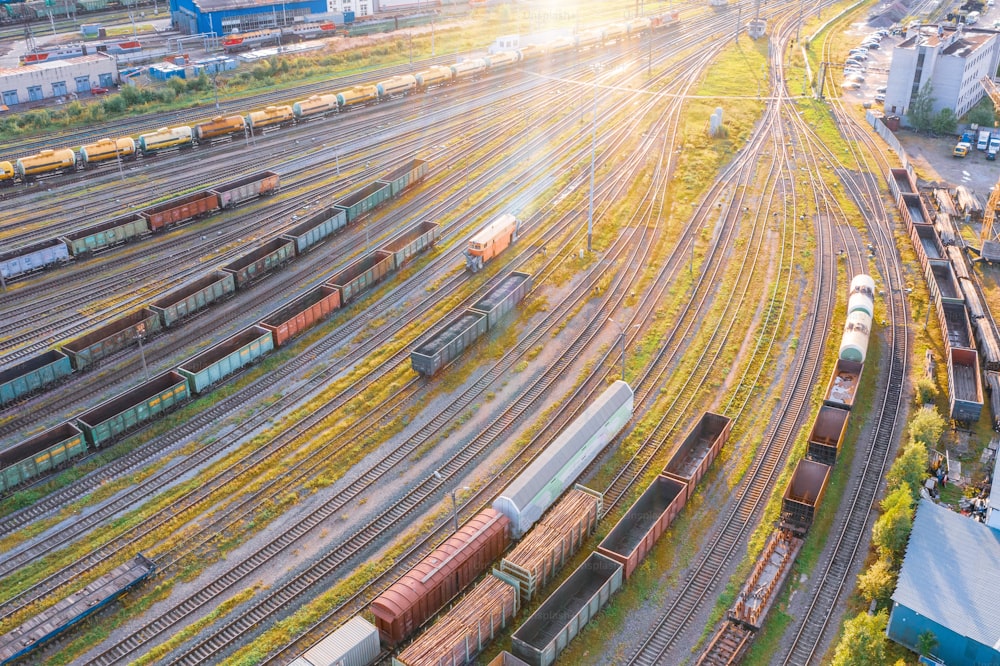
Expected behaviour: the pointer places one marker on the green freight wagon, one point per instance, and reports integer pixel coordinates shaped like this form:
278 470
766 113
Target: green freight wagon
258 263
362 274
105 341
365 200
198 295
131 409
224 359
32 375
116 231
316 227
414 241
39 454
504 297
405 176
449 343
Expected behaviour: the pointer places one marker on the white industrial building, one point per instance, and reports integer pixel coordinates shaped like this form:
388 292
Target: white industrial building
953 60
57 78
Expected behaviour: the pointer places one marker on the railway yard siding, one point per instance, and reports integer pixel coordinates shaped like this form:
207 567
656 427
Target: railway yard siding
39 454
698 450
260 261
316 227
36 373
558 466
434 581
193 297
631 539
414 241
828 434
243 189
121 333
133 408
355 643
226 358
548 631
363 274
302 313
449 343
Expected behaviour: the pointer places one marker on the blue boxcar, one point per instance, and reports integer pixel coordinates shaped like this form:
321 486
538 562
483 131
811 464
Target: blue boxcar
227 357
39 454
31 258
316 227
32 375
131 409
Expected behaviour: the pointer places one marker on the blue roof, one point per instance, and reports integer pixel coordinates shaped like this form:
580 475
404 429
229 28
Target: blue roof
951 573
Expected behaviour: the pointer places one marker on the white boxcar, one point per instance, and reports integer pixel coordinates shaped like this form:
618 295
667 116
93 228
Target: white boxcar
353 644
557 468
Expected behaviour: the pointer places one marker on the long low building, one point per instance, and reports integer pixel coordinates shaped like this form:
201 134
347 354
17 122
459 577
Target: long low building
58 78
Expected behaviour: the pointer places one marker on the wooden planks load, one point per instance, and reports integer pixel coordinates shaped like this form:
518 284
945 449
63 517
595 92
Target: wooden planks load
463 632
547 547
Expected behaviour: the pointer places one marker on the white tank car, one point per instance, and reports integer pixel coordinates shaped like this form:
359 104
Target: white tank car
857 331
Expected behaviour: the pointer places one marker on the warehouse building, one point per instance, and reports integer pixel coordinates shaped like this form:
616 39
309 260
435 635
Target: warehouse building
223 17
57 78
952 60
948 586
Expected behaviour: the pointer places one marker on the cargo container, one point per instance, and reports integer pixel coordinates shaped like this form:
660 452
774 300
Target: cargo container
434 581
174 306
693 457
631 539
133 408
504 297
101 236
356 96
363 274
803 495
415 240
965 389
404 177
558 466
39 454
121 333
315 105
301 314
21 380
400 84
447 344
67 612
219 126
237 191
459 635
107 149
180 210
30 258
355 643
843 384
827 435
543 551
363 201
272 116
548 631
46 161
491 241
259 262
226 358
164 139
316 227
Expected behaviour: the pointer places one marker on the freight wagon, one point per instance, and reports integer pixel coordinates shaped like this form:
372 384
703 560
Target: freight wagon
827 435
36 257
438 578
316 228
315 105
226 358
396 85
180 303
272 116
131 409
180 210
404 177
844 382
165 139
356 96
965 392
237 191
219 126
365 200
258 263
75 607
115 231
21 380
698 450
412 242
62 160
434 76
491 241
40 454
558 466
353 644
121 333
107 149
803 496
301 314
548 631
362 274
448 343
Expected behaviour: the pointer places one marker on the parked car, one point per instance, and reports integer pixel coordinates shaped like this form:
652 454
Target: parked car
851 85
99 91
880 97
881 90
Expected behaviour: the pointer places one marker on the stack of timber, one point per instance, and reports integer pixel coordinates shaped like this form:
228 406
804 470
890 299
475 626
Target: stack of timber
463 632
550 544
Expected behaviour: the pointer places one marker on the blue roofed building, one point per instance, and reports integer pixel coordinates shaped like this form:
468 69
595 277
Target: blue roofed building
949 585
223 17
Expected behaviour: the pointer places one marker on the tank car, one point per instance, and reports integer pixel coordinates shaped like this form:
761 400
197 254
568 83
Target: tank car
469 68
560 44
857 330
434 76
503 59
315 105
46 161
272 116
614 32
6 173
107 149
219 126
164 138
637 26
396 85
588 38
357 95
530 51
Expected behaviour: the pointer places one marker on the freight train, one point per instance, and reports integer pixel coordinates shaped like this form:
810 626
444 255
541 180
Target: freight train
63 51
319 105
241 41
805 490
108 421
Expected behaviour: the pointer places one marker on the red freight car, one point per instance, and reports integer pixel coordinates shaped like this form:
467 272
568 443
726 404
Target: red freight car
305 311
180 210
435 580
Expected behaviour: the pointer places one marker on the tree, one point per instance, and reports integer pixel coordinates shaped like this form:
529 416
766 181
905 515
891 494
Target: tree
927 426
945 122
892 528
863 642
877 583
909 470
927 642
921 112
982 113
926 390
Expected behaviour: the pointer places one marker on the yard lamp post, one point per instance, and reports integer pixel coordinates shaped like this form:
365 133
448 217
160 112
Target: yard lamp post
622 330
454 499
142 356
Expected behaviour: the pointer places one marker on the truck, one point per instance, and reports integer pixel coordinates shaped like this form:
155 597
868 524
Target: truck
962 149
991 152
984 140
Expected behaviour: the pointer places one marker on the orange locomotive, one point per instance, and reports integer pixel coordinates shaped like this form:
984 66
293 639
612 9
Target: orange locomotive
491 241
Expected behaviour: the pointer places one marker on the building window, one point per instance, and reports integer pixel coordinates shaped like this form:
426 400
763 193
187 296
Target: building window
10 97
59 88
35 93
